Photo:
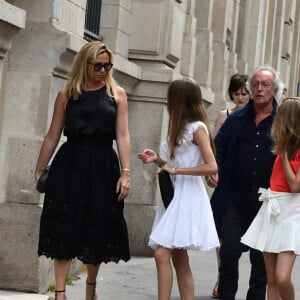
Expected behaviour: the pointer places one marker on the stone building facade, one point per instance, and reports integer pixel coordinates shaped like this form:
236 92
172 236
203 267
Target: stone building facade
155 41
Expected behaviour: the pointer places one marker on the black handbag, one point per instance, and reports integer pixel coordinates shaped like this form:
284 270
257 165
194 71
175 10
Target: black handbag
166 187
42 182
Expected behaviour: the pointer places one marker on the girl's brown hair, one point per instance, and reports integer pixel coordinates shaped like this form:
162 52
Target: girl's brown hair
78 74
286 128
185 104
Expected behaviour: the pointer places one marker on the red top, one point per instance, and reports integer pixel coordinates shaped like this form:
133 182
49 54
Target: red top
278 182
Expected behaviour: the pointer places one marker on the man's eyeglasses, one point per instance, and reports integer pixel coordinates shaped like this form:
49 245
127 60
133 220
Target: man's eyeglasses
99 66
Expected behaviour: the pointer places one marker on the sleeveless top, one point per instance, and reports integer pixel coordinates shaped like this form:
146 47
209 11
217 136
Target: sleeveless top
93 114
278 182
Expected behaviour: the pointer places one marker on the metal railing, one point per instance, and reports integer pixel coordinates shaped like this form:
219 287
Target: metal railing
92 20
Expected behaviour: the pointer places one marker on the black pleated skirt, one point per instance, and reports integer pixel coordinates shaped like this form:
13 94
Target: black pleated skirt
81 216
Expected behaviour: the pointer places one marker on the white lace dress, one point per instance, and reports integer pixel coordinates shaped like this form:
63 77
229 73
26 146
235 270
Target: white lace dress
188 221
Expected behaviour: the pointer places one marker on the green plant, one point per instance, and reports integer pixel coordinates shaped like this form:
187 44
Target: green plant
51 288
71 278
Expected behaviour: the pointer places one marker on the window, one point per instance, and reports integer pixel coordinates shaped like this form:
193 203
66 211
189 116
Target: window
92 20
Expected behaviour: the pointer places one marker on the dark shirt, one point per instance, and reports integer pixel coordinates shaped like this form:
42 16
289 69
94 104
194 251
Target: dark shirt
252 164
93 114
244 158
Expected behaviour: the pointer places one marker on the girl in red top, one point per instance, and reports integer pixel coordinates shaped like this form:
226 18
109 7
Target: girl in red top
276 228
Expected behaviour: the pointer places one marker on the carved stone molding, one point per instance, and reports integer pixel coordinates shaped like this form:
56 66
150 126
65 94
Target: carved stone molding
12 19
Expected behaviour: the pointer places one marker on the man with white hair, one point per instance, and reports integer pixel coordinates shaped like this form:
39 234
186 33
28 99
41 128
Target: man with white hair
245 160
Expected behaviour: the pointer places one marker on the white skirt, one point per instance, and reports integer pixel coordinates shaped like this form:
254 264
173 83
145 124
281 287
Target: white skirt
276 227
188 221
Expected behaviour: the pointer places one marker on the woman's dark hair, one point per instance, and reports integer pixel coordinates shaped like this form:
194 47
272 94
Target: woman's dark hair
236 82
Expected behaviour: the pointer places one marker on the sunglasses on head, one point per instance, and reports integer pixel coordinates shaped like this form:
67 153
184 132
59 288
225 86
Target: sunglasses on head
99 66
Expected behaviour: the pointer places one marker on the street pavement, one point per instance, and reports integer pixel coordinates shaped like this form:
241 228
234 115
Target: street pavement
136 280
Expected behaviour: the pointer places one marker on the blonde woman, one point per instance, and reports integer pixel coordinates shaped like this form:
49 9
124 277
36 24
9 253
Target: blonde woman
83 207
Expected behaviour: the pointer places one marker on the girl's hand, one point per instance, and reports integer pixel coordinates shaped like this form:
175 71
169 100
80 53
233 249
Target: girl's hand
212 180
284 156
147 156
169 169
123 186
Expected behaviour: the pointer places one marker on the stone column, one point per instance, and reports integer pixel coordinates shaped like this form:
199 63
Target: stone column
221 54
34 75
204 48
187 62
295 60
257 16
287 40
233 13
270 31
241 37
158 50
115 25
277 42
148 127
12 20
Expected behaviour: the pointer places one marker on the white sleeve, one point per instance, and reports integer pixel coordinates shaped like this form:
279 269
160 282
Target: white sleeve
196 125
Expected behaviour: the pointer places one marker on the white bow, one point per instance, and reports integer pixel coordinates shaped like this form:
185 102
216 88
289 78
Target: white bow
272 202
270 207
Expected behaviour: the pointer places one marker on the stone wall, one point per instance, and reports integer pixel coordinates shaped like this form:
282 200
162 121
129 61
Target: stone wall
155 42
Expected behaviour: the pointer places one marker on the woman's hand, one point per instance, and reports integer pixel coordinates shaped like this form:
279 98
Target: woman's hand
123 185
53 135
37 175
148 156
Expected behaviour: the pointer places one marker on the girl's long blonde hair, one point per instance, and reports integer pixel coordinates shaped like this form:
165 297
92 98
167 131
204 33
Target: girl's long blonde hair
185 104
78 75
286 128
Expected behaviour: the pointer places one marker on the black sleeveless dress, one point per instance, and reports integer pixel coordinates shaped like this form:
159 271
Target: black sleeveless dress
81 215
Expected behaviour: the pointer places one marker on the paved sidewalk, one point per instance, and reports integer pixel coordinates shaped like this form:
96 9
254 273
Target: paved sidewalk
136 280
12 295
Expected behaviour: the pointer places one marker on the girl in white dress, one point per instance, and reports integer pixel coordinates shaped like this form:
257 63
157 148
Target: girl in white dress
276 227
188 222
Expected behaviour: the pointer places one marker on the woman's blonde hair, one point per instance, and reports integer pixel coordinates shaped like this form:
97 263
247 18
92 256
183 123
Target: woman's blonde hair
185 104
286 128
78 75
